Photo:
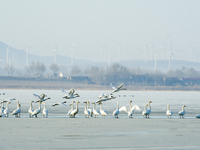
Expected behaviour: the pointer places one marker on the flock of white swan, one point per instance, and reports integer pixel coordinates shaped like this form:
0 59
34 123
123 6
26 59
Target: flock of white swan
88 112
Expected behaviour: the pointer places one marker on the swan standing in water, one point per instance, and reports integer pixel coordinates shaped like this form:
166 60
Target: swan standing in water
45 112
75 111
182 112
17 111
86 111
6 111
130 110
90 110
197 116
146 111
36 111
116 112
30 111
72 107
103 112
169 112
95 112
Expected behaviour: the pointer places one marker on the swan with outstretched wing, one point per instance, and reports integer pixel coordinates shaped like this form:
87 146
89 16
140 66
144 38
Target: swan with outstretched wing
118 88
70 95
41 98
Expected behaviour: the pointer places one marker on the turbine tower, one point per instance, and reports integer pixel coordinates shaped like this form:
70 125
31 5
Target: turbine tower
8 54
170 55
191 48
152 47
72 54
55 51
27 48
163 49
139 53
119 50
104 53
145 55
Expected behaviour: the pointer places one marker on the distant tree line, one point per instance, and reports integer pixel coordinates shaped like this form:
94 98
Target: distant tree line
116 74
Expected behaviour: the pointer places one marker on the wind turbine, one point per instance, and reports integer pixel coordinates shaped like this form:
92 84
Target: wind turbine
145 55
191 48
152 47
163 49
139 53
55 51
72 54
8 54
104 53
27 48
119 50
170 54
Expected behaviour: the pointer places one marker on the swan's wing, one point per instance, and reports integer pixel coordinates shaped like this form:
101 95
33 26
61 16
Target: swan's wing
8 100
123 108
120 86
37 96
135 107
64 91
112 86
63 104
71 92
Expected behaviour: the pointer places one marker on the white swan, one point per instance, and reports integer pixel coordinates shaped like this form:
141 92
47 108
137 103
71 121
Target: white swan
103 97
30 111
6 111
116 112
197 116
90 110
72 107
169 112
146 111
70 95
75 111
103 112
17 111
117 89
41 98
182 112
59 103
86 111
36 111
45 111
130 110
95 112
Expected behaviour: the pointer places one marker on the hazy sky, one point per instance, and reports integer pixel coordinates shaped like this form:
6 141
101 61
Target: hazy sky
91 24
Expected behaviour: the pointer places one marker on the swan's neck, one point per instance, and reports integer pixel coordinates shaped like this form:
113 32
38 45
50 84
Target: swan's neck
100 106
168 107
149 106
31 106
88 105
17 104
44 106
183 108
76 106
85 106
93 106
130 104
7 106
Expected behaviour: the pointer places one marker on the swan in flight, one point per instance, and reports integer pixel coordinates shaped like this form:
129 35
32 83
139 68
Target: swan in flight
182 112
71 94
17 111
103 112
86 111
146 111
30 111
90 110
130 110
45 112
75 111
116 112
103 97
72 107
117 89
59 103
169 112
6 111
41 98
8 100
95 112
36 111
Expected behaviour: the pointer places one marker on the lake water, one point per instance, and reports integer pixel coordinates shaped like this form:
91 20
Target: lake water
159 100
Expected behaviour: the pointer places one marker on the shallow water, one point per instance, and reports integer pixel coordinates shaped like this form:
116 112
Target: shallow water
159 102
